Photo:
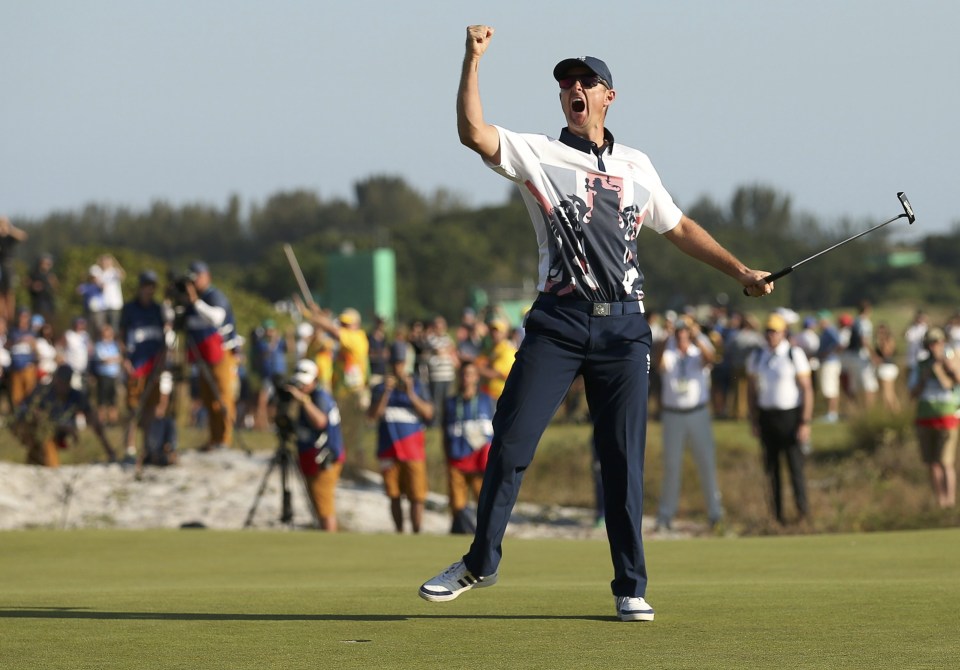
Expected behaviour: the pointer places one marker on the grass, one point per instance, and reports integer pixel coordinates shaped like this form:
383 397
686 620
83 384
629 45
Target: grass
195 599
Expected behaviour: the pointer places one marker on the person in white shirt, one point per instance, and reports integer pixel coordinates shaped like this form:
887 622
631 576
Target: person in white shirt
781 408
685 416
75 351
109 275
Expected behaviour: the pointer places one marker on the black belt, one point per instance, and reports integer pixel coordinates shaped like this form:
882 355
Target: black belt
592 308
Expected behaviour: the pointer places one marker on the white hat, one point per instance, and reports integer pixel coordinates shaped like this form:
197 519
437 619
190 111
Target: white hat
306 373
304 330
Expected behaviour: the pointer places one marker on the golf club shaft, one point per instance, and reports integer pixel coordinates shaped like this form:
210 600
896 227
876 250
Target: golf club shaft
907 212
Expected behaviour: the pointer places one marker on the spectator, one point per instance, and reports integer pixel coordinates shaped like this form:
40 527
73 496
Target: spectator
110 275
22 372
863 373
48 417
350 367
91 297
46 352
781 406
495 367
319 441
10 237
212 336
272 361
402 408
914 338
441 362
142 333
42 286
467 431
106 369
685 374
934 387
830 368
379 352
75 350
885 352
160 432
743 342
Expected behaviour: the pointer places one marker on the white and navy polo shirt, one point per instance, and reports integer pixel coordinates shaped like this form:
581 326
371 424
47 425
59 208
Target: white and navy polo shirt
776 373
587 206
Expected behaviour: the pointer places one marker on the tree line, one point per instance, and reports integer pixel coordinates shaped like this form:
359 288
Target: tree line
444 249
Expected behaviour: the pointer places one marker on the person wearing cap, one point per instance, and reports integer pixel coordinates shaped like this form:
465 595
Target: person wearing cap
496 365
211 337
781 408
401 407
319 441
351 359
467 430
685 417
141 336
588 197
934 385
48 417
10 238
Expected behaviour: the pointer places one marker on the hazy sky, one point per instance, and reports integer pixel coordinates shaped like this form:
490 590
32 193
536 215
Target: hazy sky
121 102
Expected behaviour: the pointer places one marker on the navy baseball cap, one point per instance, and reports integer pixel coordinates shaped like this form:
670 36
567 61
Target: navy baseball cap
148 277
398 352
198 267
595 65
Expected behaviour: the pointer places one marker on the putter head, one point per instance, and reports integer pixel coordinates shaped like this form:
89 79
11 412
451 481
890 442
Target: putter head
907 209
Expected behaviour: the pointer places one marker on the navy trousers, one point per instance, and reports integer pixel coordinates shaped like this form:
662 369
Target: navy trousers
613 355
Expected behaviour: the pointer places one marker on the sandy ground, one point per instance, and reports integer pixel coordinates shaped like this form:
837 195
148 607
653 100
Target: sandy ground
219 489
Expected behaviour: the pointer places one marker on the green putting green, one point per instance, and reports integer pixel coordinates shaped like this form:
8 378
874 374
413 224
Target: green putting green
199 599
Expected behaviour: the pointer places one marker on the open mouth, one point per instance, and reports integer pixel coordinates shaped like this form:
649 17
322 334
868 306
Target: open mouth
578 105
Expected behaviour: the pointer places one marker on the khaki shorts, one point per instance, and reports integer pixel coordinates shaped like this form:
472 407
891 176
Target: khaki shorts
135 389
322 487
461 484
938 445
407 478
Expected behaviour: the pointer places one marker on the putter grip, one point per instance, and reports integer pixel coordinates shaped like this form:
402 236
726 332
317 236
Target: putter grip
774 277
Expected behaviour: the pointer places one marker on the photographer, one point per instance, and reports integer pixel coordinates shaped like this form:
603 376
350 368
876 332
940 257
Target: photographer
212 336
319 440
49 416
142 331
402 407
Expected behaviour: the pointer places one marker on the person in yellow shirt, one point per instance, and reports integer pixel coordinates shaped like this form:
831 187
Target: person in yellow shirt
495 367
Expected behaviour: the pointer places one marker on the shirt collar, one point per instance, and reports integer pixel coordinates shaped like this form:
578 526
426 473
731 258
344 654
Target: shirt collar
585 145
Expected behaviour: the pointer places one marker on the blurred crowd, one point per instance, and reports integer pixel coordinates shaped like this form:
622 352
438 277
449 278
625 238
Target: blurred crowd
121 359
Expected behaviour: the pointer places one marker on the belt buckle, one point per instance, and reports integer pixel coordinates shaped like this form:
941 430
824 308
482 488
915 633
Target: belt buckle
601 309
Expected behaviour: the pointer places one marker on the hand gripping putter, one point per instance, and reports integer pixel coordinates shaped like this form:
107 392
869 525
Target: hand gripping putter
907 212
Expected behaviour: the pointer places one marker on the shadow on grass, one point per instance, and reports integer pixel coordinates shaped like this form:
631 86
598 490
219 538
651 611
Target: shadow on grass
75 613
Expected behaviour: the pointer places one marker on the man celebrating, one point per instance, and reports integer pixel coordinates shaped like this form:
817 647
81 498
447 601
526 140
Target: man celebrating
211 335
587 197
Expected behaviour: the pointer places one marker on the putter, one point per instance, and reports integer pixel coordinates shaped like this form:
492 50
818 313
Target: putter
907 212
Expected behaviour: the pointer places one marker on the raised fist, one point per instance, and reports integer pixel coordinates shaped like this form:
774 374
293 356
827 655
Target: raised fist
478 39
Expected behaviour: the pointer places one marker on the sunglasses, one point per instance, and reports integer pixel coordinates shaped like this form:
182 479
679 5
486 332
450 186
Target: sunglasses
586 81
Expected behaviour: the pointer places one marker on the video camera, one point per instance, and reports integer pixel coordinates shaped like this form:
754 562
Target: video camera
284 421
177 283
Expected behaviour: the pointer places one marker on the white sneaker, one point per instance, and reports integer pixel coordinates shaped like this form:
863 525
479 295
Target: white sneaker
452 582
633 609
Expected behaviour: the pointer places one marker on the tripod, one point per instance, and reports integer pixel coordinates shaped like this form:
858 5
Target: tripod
282 459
